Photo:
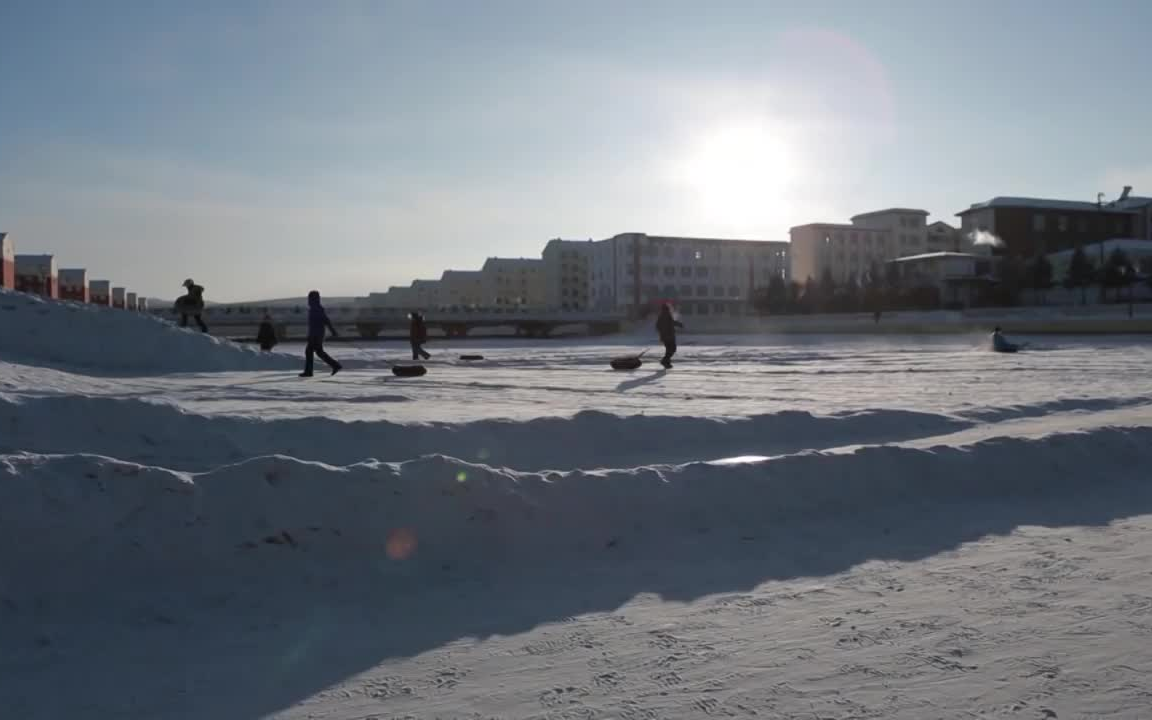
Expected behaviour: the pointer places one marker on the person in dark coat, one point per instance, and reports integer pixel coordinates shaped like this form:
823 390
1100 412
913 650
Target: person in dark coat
192 304
318 322
418 335
266 336
666 327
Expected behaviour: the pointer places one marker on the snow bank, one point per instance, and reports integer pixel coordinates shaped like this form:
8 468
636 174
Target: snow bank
157 433
39 331
75 519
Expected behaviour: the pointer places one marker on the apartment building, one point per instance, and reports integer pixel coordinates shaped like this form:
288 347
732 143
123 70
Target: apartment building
512 282
567 266
633 272
100 292
849 251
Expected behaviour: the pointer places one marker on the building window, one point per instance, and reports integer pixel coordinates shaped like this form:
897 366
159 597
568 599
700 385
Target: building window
1082 225
734 291
685 271
701 271
699 255
685 290
1062 223
718 291
669 271
1039 222
702 290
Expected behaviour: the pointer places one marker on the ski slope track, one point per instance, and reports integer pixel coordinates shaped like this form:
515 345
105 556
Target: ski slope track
816 528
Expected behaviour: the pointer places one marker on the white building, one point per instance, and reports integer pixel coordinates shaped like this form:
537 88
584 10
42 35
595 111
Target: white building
942 237
100 292
461 288
119 297
567 266
424 294
850 251
74 284
512 282
958 277
633 272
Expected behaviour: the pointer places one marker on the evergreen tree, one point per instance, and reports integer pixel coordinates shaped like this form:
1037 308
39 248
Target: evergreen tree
1010 276
1040 275
1115 272
1080 273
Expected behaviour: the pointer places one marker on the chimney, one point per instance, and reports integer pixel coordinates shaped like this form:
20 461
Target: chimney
1127 190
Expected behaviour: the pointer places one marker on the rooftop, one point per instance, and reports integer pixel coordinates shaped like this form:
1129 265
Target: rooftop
939 256
1048 204
889 211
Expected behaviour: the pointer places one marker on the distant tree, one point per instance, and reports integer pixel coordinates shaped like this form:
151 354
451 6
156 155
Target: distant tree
1010 279
826 294
1080 274
772 298
810 300
1040 276
1115 274
893 284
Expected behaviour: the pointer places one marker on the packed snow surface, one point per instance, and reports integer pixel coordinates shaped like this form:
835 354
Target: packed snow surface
810 527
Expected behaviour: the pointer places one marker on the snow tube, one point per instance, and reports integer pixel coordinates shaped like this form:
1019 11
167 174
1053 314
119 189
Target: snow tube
471 357
408 370
626 363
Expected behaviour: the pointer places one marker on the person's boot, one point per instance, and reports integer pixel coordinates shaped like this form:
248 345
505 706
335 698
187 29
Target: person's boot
666 363
305 374
337 368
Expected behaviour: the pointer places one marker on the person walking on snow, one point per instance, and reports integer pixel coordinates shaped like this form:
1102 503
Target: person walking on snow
266 336
192 304
318 322
418 335
666 327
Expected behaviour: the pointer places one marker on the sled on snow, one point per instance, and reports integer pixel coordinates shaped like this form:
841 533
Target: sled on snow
627 362
408 370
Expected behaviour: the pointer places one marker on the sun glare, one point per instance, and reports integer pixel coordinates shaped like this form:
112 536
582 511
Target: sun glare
739 174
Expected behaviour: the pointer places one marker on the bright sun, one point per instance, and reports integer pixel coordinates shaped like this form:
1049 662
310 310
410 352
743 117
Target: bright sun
739 174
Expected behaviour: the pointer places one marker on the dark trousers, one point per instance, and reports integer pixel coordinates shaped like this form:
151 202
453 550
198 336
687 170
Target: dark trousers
316 347
417 351
199 321
669 350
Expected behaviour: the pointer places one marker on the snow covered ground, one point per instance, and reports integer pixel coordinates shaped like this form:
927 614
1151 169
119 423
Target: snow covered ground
815 527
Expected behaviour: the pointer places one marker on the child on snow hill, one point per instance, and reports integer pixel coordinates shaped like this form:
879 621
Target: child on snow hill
417 336
666 327
192 304
266 335
317 323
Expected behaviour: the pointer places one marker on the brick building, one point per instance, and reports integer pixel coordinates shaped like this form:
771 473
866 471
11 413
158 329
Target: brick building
1034 226
74 284
37 275
100 292
7 262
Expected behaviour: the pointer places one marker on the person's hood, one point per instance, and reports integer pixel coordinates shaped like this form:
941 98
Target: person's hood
313 300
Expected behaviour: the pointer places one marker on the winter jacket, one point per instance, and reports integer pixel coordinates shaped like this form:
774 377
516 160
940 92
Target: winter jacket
417 330
666 326
999 344
266 337
318 321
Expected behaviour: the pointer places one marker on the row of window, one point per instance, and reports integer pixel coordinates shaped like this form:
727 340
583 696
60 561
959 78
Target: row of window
716 291
710 253
1063 223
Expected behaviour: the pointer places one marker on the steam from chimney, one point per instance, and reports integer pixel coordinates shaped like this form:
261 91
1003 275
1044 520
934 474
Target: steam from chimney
983 238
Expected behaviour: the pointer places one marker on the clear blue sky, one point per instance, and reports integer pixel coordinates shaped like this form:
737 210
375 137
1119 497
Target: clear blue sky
267 148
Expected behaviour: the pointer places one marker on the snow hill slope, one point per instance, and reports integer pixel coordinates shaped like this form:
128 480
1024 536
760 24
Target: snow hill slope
99 339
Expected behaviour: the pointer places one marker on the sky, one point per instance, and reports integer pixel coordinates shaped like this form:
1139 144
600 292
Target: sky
269 148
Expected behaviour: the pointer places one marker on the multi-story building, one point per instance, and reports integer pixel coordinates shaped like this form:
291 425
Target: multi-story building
942 237
461 288
130 301
851 251
37 274
100 292
425 294
119 297
512 282
1033 226
633 272
7 262
566 272
74 284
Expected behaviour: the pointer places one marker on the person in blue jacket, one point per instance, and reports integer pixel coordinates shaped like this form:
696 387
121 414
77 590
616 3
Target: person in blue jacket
318 322
1001 344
